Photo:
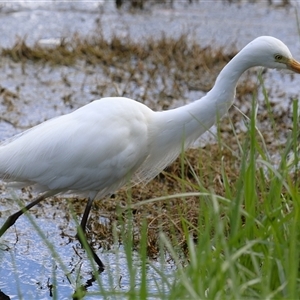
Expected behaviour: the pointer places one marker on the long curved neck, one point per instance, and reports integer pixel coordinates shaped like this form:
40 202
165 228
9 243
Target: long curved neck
190 121
223 92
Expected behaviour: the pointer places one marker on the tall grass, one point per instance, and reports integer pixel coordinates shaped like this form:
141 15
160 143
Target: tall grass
248 245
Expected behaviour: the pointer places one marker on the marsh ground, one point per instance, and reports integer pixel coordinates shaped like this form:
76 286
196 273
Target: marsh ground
44 75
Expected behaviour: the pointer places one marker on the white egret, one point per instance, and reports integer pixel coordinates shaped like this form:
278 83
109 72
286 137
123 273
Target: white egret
98 147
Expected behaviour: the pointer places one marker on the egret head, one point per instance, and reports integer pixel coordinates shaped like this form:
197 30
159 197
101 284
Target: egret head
270 52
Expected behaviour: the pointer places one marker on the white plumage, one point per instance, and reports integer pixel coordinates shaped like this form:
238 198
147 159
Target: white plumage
105 144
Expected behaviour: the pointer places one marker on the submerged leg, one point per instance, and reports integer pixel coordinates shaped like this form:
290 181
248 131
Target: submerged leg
13 218
82 237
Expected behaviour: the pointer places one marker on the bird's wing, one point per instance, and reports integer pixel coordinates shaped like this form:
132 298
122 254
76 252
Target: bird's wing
93 148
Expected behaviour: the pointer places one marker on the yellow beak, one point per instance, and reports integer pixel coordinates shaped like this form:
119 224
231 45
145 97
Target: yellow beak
293 65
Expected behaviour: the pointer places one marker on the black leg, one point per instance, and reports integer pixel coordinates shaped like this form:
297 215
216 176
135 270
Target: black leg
82 237
86 213
13 218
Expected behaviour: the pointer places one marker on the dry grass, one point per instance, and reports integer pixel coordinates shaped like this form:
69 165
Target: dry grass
168 66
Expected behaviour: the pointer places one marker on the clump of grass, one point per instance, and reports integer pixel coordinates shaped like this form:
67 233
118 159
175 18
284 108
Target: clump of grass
59 54
248 244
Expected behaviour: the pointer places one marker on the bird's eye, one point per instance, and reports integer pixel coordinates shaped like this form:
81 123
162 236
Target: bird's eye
278 57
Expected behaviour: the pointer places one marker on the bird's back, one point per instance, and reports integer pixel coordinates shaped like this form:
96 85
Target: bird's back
96 147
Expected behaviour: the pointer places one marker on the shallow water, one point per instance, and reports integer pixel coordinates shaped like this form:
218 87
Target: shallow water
30 268
26 263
